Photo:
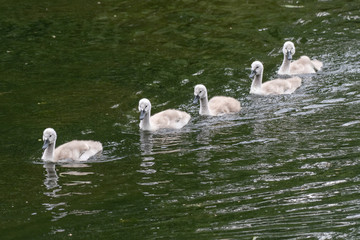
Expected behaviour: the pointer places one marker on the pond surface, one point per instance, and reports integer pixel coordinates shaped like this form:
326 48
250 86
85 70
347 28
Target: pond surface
285 167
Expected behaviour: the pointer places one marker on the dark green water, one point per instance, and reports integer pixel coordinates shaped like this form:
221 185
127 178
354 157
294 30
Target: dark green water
286 167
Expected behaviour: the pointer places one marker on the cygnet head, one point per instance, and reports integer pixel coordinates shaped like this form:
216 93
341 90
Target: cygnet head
199 92
144 107
256 69
289 49
49 137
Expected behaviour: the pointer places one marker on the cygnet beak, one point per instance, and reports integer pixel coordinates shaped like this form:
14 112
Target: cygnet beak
288 55
196 99
46 144
142 114
252 74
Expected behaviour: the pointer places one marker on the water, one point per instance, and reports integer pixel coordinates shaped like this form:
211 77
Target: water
286 167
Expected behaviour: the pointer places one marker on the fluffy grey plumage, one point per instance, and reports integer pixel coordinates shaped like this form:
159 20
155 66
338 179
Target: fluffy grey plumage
74 150
217 105
170 118
303 65
276 86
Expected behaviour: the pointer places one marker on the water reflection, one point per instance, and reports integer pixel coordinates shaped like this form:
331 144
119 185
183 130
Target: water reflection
162 142
51 177
146 142
147 165
57 192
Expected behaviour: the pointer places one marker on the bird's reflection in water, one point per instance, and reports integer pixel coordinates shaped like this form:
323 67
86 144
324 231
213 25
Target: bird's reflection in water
146 146
51 177
162 142
53 187
146 142
57 189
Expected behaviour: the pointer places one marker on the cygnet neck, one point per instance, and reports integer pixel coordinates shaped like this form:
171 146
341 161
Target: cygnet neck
257 82
204 106
285 66
48 154
145 123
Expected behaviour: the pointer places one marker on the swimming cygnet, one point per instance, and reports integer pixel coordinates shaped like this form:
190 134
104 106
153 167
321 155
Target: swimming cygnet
276 86
76 150
301 66
170 118
217 105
